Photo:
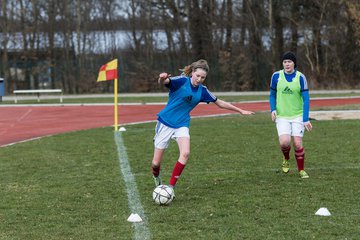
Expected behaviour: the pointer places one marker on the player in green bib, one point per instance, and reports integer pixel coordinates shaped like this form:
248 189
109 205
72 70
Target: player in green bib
289 103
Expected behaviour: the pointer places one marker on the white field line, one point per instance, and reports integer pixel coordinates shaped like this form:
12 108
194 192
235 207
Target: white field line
141 229
24 115
23 141
17 121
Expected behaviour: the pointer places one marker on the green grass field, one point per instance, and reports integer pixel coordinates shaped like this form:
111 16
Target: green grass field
70 186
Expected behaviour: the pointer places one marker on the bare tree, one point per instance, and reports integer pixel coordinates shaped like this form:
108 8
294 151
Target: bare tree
276 28
242 40
51 14
174 12
351 59
5 29
229 25
133 17
200 28
256 55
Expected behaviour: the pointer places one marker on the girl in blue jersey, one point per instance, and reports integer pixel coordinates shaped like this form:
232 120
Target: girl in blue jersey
185 93
289 103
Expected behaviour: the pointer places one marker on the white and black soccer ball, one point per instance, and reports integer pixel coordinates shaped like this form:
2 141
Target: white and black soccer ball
163 195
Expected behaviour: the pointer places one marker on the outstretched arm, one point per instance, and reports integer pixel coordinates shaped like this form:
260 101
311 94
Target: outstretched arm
222 104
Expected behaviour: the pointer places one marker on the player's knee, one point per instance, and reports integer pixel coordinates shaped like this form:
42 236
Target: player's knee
298 147
284 144
185 154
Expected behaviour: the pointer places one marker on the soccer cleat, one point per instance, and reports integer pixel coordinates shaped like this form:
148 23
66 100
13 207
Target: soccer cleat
285 166
303 174
157 181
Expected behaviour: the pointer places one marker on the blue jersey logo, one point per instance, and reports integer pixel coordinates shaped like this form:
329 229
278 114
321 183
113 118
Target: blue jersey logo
188 99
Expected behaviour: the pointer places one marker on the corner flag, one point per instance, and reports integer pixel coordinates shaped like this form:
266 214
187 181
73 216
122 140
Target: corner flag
109 71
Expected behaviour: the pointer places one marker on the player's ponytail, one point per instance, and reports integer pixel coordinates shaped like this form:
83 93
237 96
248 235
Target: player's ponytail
187 70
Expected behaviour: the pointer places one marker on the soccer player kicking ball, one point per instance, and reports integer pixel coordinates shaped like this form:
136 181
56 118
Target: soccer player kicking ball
185 93
289 103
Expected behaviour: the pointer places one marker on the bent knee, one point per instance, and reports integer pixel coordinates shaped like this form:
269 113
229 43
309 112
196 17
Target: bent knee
185 154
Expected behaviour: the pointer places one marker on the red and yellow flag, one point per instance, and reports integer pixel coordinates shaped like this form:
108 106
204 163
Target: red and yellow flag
108 71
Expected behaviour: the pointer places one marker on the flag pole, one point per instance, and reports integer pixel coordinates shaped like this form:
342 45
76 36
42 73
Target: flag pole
116 104
109 71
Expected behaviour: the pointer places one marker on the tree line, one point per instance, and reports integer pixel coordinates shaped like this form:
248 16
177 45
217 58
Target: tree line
62 44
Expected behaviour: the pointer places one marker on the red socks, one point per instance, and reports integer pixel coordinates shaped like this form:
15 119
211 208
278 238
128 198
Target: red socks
156 171
286 152
178 168
300 157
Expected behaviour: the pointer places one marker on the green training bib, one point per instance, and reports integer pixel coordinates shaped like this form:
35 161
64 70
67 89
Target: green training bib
289 102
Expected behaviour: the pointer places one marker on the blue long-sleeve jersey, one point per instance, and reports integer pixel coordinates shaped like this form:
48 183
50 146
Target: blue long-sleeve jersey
303 88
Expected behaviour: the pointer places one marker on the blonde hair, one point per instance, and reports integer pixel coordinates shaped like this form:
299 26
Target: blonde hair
187 70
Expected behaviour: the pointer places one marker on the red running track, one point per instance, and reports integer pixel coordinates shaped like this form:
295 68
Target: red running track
21 123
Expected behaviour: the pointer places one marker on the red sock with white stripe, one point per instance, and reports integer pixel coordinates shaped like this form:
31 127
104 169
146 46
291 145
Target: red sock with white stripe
178 168
300 158
286 152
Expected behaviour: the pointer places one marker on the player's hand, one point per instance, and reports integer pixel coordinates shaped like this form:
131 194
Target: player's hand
244 112
308 126
273 115
163 76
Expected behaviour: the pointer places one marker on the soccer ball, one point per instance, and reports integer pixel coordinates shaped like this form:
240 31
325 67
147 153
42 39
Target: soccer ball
163 195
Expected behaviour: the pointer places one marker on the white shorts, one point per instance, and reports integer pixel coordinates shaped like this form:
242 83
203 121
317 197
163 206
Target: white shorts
163 135
292 127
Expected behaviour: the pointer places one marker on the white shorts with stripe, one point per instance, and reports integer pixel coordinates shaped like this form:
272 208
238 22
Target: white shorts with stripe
292 127
163 135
